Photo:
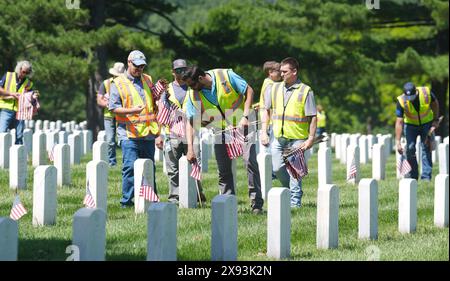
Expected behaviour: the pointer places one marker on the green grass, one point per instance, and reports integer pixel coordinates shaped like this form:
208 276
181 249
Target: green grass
126 233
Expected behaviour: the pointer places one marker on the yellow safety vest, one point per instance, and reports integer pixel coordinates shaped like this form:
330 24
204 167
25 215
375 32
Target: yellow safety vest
106 112
321 119
175 101
141 124
265 84
425 114
290 122
11 86
230 101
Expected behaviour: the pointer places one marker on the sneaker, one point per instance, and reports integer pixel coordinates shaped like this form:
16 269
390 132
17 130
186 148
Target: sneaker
257 211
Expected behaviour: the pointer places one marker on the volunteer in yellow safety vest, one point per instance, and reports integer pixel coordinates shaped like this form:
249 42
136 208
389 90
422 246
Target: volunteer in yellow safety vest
294 121
222 99
417 114
133 103
109 117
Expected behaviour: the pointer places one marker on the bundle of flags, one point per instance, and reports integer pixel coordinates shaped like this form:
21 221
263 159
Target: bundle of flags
17 210
147 191
166 112
403 165
88 199
294 160
234 142
351 173
179 127
196 172
28 106
158 88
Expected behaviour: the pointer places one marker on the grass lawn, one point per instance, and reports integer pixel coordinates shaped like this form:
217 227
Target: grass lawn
127 238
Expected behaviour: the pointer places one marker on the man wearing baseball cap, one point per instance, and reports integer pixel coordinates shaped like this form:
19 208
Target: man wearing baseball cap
109 120
417 113
133 102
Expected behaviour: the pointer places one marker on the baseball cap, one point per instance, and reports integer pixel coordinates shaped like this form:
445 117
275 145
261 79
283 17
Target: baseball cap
179 63
137 57
409 90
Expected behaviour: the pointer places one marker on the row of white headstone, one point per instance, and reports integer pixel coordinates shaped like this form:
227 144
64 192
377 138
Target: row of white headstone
89 225
58 125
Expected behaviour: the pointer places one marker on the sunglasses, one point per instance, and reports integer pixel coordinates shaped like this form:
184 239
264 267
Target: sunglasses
139 66
180 70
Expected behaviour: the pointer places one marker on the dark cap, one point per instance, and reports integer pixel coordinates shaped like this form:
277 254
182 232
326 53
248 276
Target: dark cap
409 90
179 63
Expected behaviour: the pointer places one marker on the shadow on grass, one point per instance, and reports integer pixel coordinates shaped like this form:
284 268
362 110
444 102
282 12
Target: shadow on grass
43 249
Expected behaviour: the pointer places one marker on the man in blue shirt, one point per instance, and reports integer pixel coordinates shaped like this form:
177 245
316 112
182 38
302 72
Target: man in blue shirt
221 93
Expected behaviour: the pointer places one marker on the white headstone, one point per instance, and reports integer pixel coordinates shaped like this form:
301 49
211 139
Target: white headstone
446 140
9 239
324 170
443 158
75 153
81 143
434 153
28 140
159 155
31 124
368 209
162 232
5 144
40 155
89 234
327 216
354 139
62 163
52 126
419 154
46 126
224 228
353 160
62 137
333 140
100 151
363 150
44 196
387 141
87 141
18 167
38 126
187 185
97 175
337 146
205 154
101 136
142 168
371 140
407 204
279 223
58 125
345 141
13 136
51 140
378 162
265 172
441 200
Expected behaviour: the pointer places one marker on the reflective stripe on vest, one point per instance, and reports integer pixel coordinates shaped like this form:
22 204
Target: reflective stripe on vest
425 114
290 122
106 112
11 86
144 123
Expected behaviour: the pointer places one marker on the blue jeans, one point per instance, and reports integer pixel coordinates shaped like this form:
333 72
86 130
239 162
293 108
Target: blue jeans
133 149
278 145
320 131
411 133
8 121
110 132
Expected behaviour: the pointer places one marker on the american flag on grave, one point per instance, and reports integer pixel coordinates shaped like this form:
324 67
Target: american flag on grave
403 165
147 191
296 164
351 173
17 210
234 143
88 201
196 172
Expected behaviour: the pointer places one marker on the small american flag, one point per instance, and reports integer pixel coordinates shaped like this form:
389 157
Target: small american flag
234 143
50 152
88 199
27 106
147 192
196 172
351 173
158 89
179 127
166 112
296 164
403 165
17 210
